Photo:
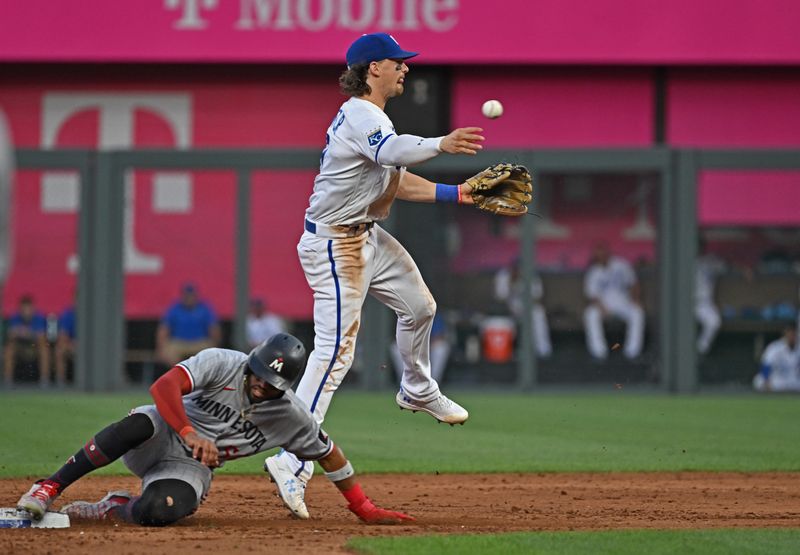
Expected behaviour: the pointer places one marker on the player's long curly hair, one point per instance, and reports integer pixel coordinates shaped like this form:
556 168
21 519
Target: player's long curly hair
353 81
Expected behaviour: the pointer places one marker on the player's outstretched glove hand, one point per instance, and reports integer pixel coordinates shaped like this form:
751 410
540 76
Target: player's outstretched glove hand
504 189
370 514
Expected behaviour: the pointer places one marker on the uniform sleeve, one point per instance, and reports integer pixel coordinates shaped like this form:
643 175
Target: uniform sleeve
770 354
375 138
210 368
14 324
627 273
590 284
368 135
407 150
309 442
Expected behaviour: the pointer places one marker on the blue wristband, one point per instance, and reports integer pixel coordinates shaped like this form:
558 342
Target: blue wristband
446 193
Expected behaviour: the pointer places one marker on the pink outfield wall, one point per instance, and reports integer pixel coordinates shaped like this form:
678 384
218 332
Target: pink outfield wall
748 198
184 110
746 107
605 107
445 31
555 108
224 106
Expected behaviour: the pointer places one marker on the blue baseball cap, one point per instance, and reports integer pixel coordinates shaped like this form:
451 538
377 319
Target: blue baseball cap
188 288
374 47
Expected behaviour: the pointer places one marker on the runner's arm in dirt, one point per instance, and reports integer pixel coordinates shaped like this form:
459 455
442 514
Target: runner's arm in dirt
339 471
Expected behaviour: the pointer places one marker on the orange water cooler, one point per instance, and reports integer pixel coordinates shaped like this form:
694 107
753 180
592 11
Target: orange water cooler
497 338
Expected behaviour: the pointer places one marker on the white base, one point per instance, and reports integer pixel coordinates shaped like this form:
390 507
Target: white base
12 518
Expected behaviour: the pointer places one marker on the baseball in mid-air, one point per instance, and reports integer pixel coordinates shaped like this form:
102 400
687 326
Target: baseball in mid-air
492 109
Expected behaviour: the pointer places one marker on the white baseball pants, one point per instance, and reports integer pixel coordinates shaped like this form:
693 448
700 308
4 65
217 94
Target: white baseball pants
541 331
633 316
341 272
709 319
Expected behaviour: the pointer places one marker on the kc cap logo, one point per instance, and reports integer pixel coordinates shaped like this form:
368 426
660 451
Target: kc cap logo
277 364
374 138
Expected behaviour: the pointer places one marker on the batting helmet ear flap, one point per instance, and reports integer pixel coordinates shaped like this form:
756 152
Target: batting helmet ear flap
278 361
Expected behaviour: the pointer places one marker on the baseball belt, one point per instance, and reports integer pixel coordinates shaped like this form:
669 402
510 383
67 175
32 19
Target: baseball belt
337 231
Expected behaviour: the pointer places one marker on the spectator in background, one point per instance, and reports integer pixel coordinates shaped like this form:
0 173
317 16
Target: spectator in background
440 350
261 324
612 289
780 364
508 288
189 326
27 342
65 344
708 268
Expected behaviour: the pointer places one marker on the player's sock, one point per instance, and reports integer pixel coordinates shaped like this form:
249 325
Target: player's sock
104 448
124 513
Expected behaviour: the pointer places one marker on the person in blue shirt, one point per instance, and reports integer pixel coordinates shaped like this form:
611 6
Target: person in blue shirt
26 342
65 344
780 364
189 326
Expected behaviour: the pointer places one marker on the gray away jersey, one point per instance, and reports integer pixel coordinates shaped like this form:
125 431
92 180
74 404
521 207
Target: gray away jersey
219 409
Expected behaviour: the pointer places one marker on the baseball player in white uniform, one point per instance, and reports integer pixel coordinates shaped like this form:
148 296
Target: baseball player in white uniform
780 364
508 288
612 289
707 268
346 255
215 406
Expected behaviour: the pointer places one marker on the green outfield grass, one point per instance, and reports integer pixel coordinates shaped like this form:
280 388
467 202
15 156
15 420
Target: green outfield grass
618 431
626 542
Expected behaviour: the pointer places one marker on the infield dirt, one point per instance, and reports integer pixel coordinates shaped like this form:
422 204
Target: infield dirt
242 513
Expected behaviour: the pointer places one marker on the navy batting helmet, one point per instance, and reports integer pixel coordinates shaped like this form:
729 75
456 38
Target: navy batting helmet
278 360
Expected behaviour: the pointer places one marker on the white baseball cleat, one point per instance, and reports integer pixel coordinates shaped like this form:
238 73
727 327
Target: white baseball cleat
441 408
39 498
99 510
291 489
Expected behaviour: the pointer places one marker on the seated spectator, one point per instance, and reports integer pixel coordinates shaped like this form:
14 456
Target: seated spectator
26 342
612 289
508 289
780 364
189 326
65 344
261 324
440 350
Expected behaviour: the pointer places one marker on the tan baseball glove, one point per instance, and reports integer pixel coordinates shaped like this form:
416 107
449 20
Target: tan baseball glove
504 189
